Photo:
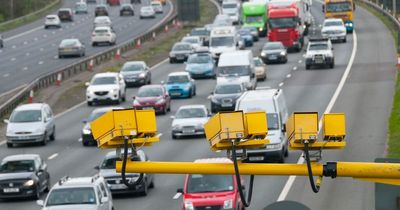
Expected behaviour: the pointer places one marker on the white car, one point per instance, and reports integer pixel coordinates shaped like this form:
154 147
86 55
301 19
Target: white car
102 21
189 120
103 34
79 193
30 123
147 12
195 41
108 86
231 8
157 6
52 21
334 29
320 53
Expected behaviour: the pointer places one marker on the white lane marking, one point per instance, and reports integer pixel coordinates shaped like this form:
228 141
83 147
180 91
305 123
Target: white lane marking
300 61
14 47
25 68
27 54
294 68
41 49
1 51
54 44
40 62
52 156
80 139
288 75
3 142
304 55
281 84
25 42
6 75
339 88
53 32
22 34
55 57
176 196
44 35
35 39
13 59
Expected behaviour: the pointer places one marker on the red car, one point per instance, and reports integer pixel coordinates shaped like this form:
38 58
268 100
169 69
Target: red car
203 191
113 2
153 97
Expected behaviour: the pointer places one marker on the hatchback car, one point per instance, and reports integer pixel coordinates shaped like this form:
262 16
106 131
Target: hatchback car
334 29
201 65
152 97
180 85
105 87
195 41
104 34
102 21
254 32
147 12
65 14
180 52
157 6
114 179
31 123
52 21
23 176
79 193
87 136
274 52
71 47
136 73
126 9
189 120
224 96
81 8
246 36
101 10
260 69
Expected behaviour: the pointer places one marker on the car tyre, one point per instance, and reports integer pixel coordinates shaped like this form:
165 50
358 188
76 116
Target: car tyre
345 40
124 96
94 44
151 185
10 145
332 65
194 91
53 135
171 60
308 66
44 141
190 93
174 136
85 143
145 190
47 189
37 193
89 103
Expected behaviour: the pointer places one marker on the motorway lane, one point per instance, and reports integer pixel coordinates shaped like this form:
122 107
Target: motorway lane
75 160
366 100
31 55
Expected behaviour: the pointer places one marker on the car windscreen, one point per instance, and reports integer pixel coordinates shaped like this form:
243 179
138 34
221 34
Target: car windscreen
199 32
132 67
181 47
244 32
289 22
228 89
225 71
104 81
227 41
321 46
63 12
178 79
199 183
249 28
17 166
190 40
229 6
96 114
199 59
333 23
23 116
190 113
273 46
272 121
338 7
109 162
150 92
71 196
254 19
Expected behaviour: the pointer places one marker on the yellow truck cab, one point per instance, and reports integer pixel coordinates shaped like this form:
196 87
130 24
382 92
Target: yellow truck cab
343 9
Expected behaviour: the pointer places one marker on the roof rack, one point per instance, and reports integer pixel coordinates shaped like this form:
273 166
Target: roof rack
63 180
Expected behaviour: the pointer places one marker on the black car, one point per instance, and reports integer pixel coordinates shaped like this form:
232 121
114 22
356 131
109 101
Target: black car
1 41
126 9
136 73
65 14
101 10
23 176
224 96
274 52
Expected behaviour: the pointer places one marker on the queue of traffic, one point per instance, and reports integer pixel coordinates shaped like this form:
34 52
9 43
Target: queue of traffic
220 51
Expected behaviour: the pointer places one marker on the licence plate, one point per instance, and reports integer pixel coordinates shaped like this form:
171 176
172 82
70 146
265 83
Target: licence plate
188 130
11 190
147 108
226 105
273 57
131 80
175 94
117 187
23 137
180 57
319 61
256 158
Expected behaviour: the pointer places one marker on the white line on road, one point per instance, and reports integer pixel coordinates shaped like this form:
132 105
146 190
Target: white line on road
25 68
294 68
176 196
25 42
22 34
300 61
2 143
13 59
339 88
281 84
6 75
35 39
27 54
80 139
288 75
40 62
14 47
52 156
41 49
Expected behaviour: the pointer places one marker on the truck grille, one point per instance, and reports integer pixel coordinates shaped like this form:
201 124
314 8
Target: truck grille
101 93
208 207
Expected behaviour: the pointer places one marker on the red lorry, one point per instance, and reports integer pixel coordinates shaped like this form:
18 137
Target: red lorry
288 23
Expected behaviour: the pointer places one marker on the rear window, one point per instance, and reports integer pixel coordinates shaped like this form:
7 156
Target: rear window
50 18
64 12
101 31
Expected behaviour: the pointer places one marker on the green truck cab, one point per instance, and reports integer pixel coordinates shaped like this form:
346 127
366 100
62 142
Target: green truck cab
255 14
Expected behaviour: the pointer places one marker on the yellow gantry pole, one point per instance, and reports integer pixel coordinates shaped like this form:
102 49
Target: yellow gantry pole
358 170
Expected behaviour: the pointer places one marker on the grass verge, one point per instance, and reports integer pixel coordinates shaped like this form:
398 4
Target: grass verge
393 150
30 17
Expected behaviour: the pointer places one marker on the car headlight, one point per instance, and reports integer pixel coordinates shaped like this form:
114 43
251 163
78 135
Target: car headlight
214 100
39 130
86 131
10 132
114 90
89 92
189 205
260 29
228 204
263 54
186 87
142 74
175 127
273 146
283 53
171 55
160 101
136 103
29 183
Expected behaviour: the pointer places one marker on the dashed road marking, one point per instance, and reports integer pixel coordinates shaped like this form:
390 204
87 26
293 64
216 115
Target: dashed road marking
14 47
41 49
27 54
35 39
53 32
25 42
13 59
6 75
288 75
44 35
56 57
80 139
294 68
52 156
25 68
300 61
40 62
176 196
281 84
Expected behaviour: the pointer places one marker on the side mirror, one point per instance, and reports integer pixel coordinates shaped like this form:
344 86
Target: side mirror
40 202
162 82
97 168
179 190
104 200
172 117
6 121
133 97
212 93
84 121
284 128
87 84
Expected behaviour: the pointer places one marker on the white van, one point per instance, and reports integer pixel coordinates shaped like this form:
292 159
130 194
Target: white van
237 65
222 39
231 8
273 103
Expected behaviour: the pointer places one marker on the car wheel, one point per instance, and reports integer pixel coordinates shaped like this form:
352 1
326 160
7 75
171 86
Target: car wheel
173 136
47 189
190 93
345 40
89 103
45 27
10 145
282 157
169 107
53 135
44 141
308 66
60 56
332 65
194 91
171 60
85 143
124 96
37 193
145 190
151 185
286 152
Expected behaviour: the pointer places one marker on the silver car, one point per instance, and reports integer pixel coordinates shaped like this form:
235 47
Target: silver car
189 120
114 179
180 52
147 12
71 47
31 123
